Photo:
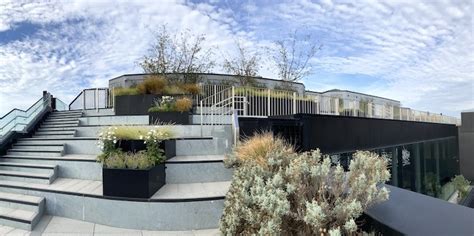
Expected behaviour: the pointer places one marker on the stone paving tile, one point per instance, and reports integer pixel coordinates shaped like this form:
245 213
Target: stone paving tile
5 229
108 230
68 226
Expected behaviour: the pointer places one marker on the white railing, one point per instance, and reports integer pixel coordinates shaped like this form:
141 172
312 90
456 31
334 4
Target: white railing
262 102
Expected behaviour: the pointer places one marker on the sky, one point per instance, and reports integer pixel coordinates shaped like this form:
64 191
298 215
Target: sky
418 52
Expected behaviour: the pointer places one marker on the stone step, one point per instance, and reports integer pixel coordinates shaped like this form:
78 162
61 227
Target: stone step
28 167
64 116
21 201
61 119
43 147
55 132
197 169
25 152
18 218
23 176
43 159
192 147
55 129
53 136
192 190
61 122
66 112
59 125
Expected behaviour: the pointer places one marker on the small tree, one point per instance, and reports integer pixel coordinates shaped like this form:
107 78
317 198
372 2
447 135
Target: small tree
276 191
245 65
183 53
292 57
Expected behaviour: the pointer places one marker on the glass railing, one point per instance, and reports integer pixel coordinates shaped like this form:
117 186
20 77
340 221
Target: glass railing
425 167
18 120
60 105
93 98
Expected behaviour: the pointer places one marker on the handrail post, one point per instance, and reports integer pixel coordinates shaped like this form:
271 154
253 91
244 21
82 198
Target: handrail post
268 103
233 98
83 99
97 99
294 103
202 122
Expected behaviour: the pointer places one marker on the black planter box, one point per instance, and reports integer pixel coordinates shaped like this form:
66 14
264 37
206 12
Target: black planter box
168 146
134 104
179 118
133 183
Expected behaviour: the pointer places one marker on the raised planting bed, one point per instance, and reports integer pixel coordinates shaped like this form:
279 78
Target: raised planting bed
169 146
175 117
132 183
134 104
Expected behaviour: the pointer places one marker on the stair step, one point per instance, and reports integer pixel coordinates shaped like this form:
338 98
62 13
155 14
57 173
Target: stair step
18 218
197 169
67 112
55 132
27 177
21 201
73 116
59 119
196 158
53 136
59 126
25 152
54 129
24 165
60 122
11 158
45 147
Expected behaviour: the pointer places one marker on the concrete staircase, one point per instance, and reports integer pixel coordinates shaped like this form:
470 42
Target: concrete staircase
20 211
24 163
58 125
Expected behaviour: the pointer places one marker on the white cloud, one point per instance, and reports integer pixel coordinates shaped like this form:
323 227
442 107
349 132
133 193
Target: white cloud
420 51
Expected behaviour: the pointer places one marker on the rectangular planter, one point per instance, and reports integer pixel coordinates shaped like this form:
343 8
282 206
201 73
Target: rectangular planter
133 183
134 104
169 146
179 118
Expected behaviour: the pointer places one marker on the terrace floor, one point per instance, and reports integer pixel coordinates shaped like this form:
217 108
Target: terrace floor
53 225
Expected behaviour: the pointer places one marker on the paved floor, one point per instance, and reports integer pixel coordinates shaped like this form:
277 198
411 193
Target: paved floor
55 226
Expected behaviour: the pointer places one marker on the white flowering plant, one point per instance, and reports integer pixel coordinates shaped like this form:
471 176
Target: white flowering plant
276 191
110 138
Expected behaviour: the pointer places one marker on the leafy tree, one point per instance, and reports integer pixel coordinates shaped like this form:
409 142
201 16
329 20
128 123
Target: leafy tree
292 56
183 53
245 65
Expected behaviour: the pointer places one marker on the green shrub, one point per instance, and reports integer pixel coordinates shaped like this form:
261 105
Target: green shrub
462 186
168 103
113 157
115 160
125 91
279 192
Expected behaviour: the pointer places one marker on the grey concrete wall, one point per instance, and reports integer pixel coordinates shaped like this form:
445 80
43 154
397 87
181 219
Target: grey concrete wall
167 216
466 145
129 80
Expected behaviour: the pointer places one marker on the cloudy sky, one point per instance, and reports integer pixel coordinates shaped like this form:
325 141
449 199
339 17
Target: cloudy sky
418 52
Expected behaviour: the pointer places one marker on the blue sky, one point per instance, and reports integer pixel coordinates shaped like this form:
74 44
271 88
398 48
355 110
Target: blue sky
418 52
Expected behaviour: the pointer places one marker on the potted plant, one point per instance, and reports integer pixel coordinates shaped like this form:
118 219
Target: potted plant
137 100
135 173
171 110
